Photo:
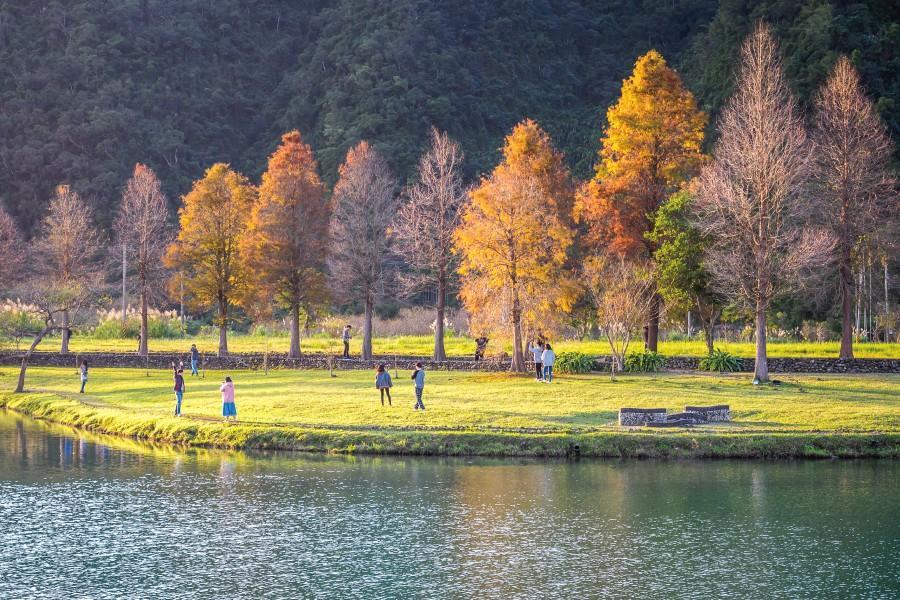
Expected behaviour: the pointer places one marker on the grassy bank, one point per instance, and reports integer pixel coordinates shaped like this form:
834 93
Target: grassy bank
423 345
475 413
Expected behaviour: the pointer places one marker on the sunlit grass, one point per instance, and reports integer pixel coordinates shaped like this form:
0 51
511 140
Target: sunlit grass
457 346
490 402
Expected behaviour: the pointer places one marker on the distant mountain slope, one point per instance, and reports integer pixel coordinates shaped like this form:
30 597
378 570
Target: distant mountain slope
89 87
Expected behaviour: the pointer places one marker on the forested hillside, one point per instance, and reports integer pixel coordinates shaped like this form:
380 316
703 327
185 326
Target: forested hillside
89 87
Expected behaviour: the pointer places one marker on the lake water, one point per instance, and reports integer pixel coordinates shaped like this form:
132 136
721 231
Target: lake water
87 516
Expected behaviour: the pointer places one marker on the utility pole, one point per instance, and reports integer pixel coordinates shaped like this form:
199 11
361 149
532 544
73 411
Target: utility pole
124 297
181 300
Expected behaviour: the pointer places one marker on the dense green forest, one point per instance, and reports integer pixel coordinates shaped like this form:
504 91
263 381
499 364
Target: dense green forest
89 87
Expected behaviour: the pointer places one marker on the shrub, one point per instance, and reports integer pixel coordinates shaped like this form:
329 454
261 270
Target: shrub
160 324
721 361
574 362
644 362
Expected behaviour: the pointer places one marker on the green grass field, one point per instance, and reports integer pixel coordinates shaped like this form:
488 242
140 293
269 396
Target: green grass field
477 413
456 346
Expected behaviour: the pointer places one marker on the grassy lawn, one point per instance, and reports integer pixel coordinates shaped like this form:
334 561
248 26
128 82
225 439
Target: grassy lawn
473 413
456 346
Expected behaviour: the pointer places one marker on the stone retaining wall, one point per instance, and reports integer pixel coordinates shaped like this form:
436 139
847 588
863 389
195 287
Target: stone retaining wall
711 414
630 417
782 365
159 360
162 360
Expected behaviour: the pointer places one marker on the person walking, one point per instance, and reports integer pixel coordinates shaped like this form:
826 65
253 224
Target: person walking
179 388
537 351
345 337
548 358
383 383
229 410
195 359
418 378
83 371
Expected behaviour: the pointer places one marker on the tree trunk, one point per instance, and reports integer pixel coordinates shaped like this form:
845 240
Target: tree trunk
653 324
142 349
294 352
846 275
439 353
518 358
367 328
223 327
761 370
64 348
20 386
887 305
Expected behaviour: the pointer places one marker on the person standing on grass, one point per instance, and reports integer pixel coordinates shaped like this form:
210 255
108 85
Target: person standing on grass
83 371
537 350
383 383
548 358
229 411
179 388
418 378
345 337
195 359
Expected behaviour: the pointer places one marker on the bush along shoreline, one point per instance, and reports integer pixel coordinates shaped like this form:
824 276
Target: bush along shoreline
637 443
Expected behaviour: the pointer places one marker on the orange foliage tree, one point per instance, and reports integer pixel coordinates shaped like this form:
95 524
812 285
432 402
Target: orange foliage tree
206 252
286 241
652 144
514 239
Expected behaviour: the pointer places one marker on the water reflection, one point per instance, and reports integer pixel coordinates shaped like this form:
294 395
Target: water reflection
89 515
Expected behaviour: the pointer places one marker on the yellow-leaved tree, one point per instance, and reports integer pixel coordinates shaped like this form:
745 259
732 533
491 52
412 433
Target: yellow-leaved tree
652 145
206 254
286 242
513 241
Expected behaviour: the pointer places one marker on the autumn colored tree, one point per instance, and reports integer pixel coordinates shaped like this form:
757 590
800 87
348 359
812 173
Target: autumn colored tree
514 238
851 175
652 144
427 218
752 198
364 204
207 249
681 277
286 243
12 250
142 229
68 249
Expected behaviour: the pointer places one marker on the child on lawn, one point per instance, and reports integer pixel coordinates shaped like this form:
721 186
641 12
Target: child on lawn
229 411
383 383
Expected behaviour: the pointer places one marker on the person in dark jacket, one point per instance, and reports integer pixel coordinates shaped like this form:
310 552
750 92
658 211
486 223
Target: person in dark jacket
179 388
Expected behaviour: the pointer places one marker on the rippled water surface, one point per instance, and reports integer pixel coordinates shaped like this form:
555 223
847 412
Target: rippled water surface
84 516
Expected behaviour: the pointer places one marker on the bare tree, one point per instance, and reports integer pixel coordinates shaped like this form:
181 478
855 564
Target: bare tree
141 227
67 248
364 204
59 305
425 224
751 198
624 294
851 176
12 248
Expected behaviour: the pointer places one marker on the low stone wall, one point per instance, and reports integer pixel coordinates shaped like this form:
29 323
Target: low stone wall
631 417
782 365
162 360
711 414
